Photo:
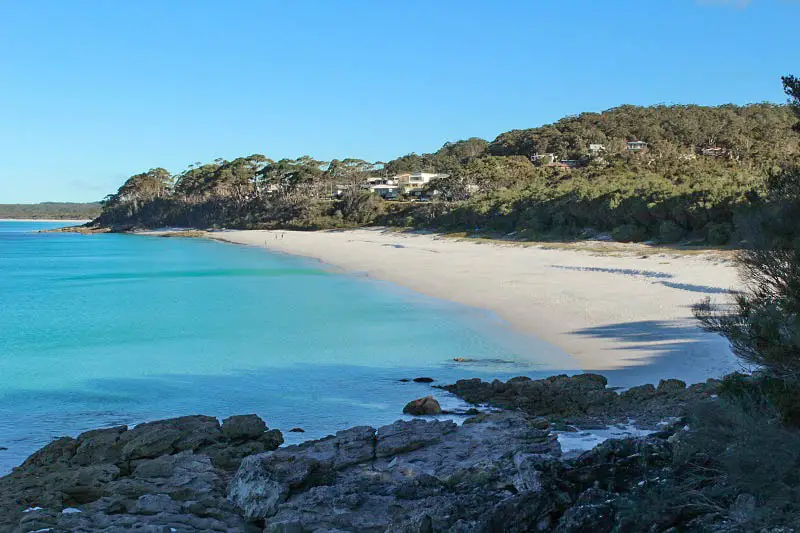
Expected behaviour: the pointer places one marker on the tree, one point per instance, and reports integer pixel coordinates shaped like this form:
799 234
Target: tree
763 323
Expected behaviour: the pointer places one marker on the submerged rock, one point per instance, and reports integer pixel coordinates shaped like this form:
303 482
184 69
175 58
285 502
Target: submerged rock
423 380
423 406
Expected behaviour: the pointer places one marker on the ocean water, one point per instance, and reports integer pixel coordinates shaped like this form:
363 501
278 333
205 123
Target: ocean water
101 330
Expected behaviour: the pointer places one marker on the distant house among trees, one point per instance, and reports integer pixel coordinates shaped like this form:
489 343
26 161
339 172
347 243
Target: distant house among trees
596 149
543 159
385 190
714 151
416 180
636 146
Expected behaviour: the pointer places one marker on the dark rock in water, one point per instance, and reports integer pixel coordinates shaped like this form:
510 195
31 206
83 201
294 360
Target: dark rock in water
3 448
472 411
423 406
297 430
423 380
404 380
166 472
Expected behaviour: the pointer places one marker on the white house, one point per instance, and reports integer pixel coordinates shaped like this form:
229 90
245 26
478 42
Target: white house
596 148
416 180
636 146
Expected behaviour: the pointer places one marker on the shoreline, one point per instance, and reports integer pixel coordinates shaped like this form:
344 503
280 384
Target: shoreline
627 316
66 220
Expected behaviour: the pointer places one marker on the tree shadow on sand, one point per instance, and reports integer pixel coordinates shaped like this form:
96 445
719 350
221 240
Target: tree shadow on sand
664 349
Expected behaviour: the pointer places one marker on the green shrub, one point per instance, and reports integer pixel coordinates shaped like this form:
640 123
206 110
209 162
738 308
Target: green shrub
718 233
764 393
629 233
669 231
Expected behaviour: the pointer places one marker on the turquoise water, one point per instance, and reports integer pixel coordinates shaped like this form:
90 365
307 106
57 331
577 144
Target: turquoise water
97 330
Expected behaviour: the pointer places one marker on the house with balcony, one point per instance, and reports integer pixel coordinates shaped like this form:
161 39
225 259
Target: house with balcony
636 146
410 181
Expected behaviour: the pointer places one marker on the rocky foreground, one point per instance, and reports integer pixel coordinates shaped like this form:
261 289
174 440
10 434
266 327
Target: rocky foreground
498 471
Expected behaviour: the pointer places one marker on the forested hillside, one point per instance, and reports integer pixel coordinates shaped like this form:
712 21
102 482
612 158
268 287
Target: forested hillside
51 210
664 172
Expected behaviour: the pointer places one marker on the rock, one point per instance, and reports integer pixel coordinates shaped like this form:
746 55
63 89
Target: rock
297 430
743 508
153 439
243 427
152 504
404 436
423 406
165 472
592 513
640 393
99 446
408 476
423 380
583 400
671 386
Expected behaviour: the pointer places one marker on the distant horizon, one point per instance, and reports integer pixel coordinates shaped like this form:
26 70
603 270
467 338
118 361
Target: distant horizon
90 99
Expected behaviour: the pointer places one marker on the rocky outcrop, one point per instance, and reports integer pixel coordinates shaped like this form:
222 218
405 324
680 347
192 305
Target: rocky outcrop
408 476
584 400
498 471
169 473
423 407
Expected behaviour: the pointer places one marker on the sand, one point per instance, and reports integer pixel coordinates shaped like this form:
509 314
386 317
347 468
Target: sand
623 310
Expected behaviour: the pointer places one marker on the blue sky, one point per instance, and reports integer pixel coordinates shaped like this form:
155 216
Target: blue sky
94 91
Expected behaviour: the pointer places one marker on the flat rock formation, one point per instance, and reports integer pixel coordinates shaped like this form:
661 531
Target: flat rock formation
584 400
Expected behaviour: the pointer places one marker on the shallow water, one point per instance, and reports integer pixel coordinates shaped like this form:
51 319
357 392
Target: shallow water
97 330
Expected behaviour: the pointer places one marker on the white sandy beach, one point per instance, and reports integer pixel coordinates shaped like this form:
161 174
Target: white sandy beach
625 313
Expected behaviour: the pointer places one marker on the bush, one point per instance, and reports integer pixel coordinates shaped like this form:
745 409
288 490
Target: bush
718 234
764 393
629 233
669 231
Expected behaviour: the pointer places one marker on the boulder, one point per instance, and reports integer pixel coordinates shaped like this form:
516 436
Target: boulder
243 427
423 406
423 380
671 387
639 393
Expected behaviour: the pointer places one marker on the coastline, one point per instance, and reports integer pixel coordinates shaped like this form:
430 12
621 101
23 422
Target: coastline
65 220
569 298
